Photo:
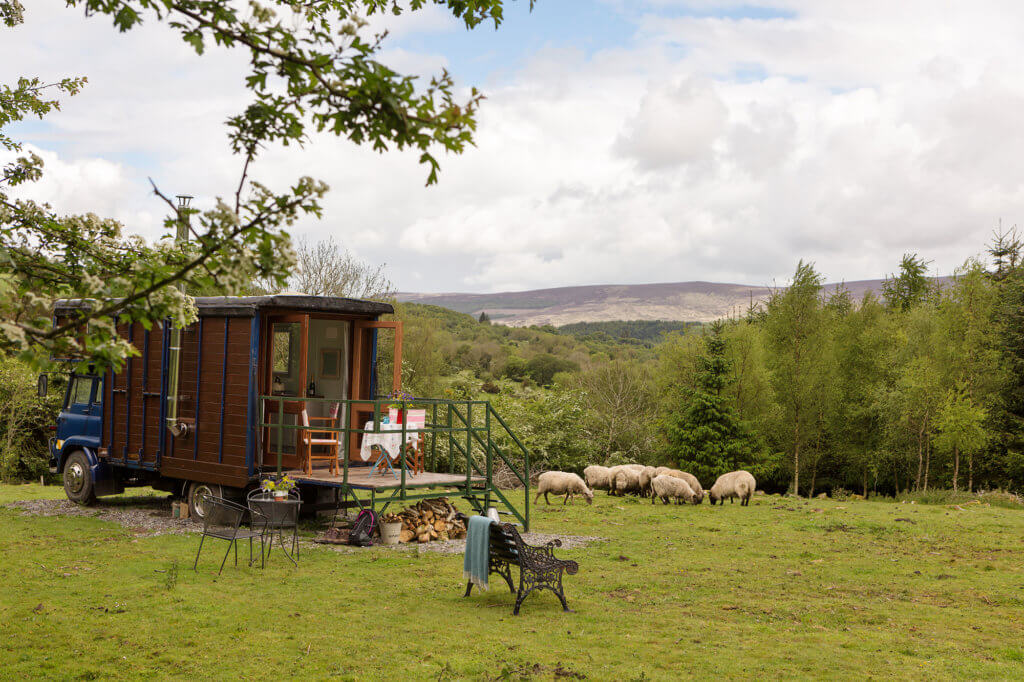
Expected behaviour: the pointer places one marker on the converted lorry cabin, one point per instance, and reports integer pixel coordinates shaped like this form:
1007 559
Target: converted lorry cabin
265 385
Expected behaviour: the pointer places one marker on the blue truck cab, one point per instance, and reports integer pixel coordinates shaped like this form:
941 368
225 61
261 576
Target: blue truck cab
74 448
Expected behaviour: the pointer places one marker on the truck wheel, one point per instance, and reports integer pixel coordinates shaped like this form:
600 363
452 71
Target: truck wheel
196 491
78 483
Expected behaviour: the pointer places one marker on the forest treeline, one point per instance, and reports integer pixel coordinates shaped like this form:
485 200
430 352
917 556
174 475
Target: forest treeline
646 332
921 387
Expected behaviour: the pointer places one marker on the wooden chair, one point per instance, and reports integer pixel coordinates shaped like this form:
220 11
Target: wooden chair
312 437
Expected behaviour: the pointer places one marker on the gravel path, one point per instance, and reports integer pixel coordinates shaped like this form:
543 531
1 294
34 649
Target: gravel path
151 515
459 546
144 515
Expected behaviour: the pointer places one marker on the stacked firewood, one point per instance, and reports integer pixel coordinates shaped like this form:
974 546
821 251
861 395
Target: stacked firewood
428 520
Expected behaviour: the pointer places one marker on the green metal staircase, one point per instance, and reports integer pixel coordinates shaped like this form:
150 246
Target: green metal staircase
467 439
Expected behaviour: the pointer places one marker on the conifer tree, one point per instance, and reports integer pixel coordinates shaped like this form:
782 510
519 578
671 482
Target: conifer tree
707 433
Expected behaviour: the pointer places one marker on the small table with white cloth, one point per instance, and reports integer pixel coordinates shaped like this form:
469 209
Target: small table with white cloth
389 441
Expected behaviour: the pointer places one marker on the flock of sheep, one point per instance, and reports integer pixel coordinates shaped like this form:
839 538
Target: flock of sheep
655 482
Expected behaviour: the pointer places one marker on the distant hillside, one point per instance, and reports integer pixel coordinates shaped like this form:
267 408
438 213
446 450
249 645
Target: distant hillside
680 301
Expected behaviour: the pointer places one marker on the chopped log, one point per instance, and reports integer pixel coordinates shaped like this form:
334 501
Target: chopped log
406 536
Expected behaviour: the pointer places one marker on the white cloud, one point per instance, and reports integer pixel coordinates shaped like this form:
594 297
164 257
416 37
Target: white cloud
676 124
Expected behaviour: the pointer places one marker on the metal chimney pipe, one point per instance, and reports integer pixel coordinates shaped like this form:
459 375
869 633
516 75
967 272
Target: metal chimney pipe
177 429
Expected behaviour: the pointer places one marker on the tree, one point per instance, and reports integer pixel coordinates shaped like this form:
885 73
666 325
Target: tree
310 68
543 368
1007 320
620 408
910 288
484 317
323 268
706 432
861 345
794 326
960 429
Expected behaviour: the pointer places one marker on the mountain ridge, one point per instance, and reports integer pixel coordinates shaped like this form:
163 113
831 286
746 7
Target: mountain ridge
694 301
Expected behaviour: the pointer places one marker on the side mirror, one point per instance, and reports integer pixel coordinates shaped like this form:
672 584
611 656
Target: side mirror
42 385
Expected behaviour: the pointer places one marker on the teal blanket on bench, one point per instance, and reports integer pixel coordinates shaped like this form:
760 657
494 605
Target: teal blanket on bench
476 564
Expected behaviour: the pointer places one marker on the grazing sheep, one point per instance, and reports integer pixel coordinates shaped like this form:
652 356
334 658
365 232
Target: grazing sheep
560 482
646 476
733 484
698 491
691 480
625 479
598 477
666 486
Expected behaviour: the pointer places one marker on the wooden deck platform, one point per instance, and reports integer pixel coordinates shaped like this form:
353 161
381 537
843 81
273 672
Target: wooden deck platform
367 478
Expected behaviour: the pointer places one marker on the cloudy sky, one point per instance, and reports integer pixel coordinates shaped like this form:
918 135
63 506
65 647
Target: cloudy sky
622 141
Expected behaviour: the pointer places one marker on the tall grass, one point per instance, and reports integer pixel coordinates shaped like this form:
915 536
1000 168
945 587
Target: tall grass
996 498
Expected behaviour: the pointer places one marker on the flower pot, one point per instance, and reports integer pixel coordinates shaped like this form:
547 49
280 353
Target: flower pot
280 495
390 532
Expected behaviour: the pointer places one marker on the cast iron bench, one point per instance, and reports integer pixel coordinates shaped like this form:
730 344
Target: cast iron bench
538 567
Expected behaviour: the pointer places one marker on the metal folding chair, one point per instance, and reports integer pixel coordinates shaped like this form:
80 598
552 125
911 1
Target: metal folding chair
224 521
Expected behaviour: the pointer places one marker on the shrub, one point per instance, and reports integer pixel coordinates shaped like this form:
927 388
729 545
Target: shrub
840 494
515 369
24 422
545 366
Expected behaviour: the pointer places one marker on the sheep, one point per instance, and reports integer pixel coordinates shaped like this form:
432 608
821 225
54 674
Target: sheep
625 479
560 482
598 477
666 486
733 484
646 476
691 480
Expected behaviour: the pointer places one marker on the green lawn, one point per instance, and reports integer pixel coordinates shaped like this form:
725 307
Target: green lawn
783 588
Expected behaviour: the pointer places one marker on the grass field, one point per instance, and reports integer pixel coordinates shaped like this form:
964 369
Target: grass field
783 588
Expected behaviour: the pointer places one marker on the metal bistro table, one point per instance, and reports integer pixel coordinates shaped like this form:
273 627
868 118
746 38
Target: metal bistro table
275 516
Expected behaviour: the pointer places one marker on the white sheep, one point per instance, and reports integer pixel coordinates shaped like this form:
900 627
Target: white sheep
691 480
625 479
561 482
598 477
646 476
733 484
666 487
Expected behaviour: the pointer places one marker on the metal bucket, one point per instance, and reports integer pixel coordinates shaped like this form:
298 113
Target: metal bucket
390 532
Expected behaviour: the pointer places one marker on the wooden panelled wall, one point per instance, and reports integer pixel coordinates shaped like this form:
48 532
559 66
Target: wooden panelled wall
132 406
213 390
214 393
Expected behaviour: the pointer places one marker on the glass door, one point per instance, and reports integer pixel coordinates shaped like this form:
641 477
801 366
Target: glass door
285 377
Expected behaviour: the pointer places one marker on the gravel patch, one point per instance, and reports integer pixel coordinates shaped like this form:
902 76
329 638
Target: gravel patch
148 515
151 515
459 546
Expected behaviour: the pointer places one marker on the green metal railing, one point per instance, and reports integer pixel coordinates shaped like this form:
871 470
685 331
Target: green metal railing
460 437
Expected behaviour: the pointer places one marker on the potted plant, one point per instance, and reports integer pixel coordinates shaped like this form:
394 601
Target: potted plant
277 488
395 409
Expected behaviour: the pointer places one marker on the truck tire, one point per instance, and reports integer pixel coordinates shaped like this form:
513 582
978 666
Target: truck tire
196 491
78 483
